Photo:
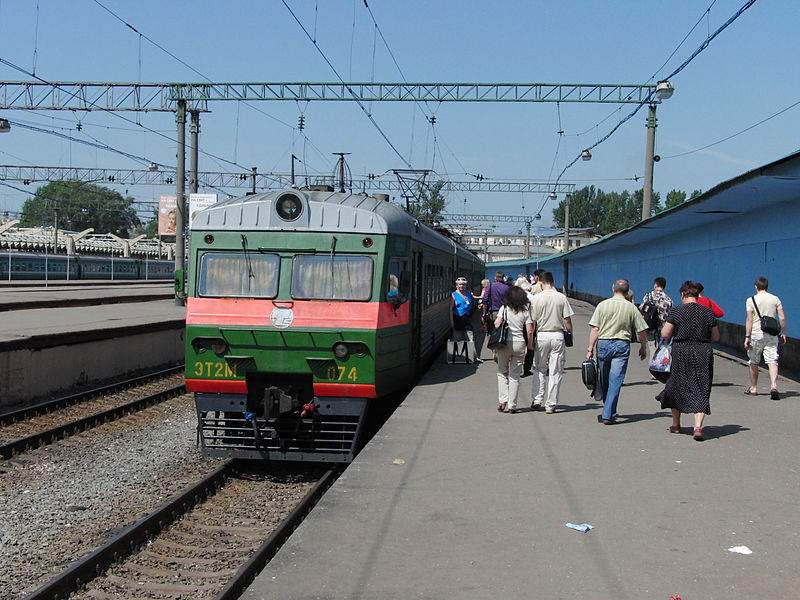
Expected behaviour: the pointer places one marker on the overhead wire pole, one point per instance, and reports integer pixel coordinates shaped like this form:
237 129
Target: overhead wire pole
180 204
647 195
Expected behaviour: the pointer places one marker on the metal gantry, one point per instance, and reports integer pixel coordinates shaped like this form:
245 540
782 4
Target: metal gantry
265 181
165 97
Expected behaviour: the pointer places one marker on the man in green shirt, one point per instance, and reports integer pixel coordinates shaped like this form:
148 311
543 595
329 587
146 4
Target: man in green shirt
612 323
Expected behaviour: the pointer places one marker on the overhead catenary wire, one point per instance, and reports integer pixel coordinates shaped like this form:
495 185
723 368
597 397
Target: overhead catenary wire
349 90
111 112
725 139
190 67
648 100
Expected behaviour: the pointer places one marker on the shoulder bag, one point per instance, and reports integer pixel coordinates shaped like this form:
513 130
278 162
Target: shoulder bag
769 325
499 337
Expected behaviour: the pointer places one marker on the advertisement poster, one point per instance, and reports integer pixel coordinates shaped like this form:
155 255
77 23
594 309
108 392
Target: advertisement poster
198 202
167 215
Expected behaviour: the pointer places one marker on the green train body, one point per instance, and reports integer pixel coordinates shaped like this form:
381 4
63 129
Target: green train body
303 308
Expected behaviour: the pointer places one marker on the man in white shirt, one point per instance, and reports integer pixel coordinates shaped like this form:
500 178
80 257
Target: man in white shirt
758 342
551 315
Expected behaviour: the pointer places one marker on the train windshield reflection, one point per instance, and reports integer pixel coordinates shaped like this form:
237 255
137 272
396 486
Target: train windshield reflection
337 277
247 275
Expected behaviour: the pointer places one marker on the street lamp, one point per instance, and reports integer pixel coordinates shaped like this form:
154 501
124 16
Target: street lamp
586 155
664 90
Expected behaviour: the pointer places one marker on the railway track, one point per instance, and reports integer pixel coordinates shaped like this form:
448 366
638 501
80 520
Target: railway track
44 423
206 542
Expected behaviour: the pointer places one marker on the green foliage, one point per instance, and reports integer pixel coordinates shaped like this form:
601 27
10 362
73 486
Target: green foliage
149 227
675 197
79 206
430 202
605 211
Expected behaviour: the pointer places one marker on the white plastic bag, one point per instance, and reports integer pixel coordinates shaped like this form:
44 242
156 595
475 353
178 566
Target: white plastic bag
661 363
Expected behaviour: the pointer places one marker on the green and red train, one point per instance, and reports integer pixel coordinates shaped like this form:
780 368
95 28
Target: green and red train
304 307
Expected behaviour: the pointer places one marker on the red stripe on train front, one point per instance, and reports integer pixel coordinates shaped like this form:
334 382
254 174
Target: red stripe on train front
306 313
216 386
347 390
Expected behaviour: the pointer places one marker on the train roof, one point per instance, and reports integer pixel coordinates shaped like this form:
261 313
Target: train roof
318 211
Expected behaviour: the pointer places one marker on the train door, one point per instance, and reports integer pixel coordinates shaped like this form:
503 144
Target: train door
415 314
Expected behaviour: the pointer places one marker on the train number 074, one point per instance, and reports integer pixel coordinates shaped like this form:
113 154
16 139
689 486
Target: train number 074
337 373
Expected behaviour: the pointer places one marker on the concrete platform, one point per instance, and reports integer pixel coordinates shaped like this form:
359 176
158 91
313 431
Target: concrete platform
47 351
32 295
453 500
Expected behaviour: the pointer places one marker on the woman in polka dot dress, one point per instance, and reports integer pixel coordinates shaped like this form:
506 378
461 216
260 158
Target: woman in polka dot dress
693 328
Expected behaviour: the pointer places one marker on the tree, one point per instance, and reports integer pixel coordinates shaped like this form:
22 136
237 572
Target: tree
585 209
430 202
608 212
80 205
675 197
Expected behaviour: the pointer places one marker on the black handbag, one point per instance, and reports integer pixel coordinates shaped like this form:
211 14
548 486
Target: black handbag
499 337
590 373
769 325
568 338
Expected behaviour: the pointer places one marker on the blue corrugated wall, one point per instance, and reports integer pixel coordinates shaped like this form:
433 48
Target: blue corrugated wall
701 241
726 258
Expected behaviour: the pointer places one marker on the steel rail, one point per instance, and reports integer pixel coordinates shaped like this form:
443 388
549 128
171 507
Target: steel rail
57 433
58 403
130 538
247 572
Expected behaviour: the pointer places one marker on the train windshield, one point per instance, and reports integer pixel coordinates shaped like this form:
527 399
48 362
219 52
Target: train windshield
240 274
339 277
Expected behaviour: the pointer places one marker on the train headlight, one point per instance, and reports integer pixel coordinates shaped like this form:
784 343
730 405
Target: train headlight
340 350
219 347
289 207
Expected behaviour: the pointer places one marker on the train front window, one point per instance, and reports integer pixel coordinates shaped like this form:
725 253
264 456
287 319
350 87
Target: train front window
238 275
338 277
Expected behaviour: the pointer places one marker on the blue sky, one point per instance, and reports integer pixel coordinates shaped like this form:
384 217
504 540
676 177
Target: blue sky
745 75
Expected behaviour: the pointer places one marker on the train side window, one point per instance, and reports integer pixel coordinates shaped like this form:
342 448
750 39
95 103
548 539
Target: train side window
238 275
338 277
394 291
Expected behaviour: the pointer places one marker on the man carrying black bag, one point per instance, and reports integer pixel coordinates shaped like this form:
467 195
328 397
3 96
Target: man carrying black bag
759 342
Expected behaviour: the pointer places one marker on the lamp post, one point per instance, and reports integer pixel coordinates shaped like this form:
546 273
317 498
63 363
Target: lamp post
664 90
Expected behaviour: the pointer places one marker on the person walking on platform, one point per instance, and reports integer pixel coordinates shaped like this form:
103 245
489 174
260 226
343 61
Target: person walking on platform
482 303
658 298
533 289
758 342
493 298
611 325
509 358
536 286
551 315
460 311
523 282
703 301
692 329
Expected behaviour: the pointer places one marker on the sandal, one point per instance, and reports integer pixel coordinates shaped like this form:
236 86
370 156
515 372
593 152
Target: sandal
750 392
674 428
698 434
501 407
774 395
